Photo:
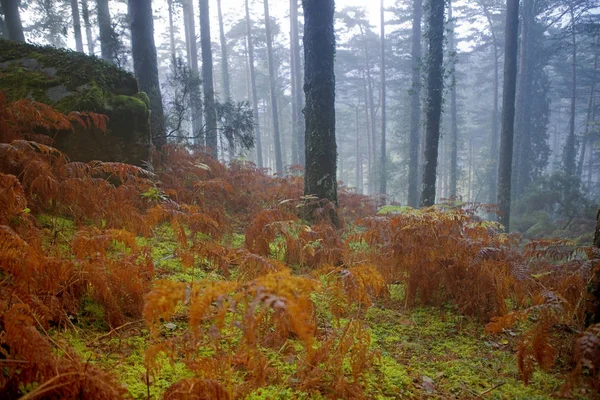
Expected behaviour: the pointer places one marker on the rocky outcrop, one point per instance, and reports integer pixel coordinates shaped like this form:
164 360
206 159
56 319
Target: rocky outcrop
71 81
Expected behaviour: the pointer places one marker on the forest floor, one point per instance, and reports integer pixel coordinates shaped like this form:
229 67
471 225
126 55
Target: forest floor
421 353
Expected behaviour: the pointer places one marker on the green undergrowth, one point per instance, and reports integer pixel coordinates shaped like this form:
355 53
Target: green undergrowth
421 352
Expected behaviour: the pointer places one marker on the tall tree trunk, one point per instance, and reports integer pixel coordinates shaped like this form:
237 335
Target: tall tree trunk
435 86
492 189
224 59
192 55
523 102
273 89
76 26
415 106
297 78
370 160
295 132
508 111
225 73
259 157
383 162
145 64
12 20
319 88
570 145
171 33
85 14
107 48
210 114
589 117
358 155
453 108
372 168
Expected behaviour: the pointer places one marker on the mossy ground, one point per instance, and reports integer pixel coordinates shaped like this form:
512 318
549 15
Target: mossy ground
422 352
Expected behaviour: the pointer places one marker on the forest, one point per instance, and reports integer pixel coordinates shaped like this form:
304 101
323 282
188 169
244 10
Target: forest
299 199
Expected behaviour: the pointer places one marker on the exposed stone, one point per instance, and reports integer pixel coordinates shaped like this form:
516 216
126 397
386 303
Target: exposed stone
71 81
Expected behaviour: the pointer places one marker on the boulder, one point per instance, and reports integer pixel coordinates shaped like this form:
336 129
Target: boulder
72 81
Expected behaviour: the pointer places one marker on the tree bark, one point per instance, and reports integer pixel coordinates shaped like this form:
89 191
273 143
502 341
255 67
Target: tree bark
590 116
192 55
508 111
85 14
492 189
259 157
273 89
371 98
435 86
145 64
107 48
76 26
358 154
210 114
171 33
319 88
453 108
297 77
383 162
415 106
570 144
12 20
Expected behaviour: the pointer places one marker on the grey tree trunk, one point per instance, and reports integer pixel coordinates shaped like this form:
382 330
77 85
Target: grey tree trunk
373 156
189 22
369 126
145 64
76 25
453 109
435 86
508 111
12 20
171 33
383 161
85 14
225 71
273 89
415 106
297 99
492 189
590 116
259 157
210 114
224 59
107 48
358 154
319 88
570 153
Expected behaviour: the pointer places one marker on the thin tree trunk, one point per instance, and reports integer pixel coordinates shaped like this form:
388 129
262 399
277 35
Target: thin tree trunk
297 77
273 89
370 159
224 59
295 132
383 162
415 106
192 54
259 157
508 111
492 189
435 85
76 26
107 49
453 108
358 157
145 64
589 118
85 14
171 33
207 81
372 168
12 20
570 145
319 48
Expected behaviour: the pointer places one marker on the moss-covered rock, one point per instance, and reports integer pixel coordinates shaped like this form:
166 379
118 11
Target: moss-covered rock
72 81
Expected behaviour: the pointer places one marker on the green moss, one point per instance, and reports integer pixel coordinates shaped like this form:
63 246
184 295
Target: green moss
143 97
17 83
